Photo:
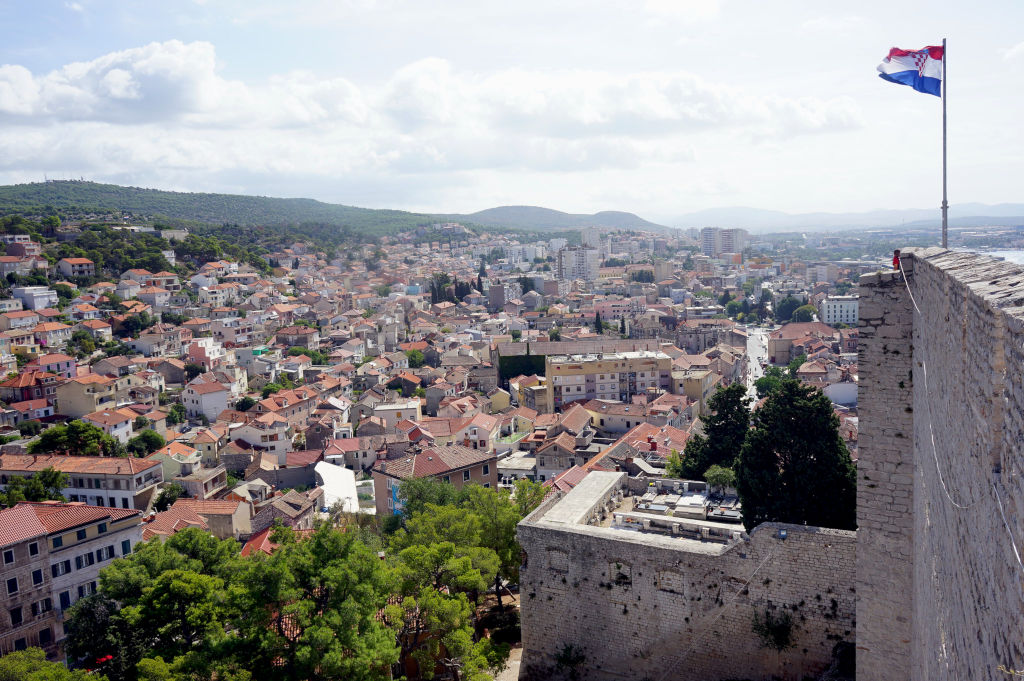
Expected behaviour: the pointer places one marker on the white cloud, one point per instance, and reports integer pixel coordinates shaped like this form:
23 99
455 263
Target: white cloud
74 6
1014 52
833 24
162 113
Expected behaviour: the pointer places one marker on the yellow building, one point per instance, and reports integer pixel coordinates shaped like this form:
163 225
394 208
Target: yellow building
85 394
606 376
696 384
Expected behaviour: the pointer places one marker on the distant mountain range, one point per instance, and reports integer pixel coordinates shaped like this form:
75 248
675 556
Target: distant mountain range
81 196
758 220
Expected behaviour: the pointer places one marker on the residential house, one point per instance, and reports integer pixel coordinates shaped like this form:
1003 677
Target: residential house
453 463
205 399
300 336
76 267
297 510
117 423
85 394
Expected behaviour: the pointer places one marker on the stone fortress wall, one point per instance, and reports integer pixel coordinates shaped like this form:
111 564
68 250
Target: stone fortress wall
650 606
940 585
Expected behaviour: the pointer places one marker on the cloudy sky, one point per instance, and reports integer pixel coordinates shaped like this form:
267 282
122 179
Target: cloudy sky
661 107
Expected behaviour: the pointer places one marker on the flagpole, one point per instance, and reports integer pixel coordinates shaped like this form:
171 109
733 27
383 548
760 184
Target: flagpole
945 203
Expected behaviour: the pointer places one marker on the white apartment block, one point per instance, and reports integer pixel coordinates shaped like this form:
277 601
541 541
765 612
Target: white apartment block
838 310
578 262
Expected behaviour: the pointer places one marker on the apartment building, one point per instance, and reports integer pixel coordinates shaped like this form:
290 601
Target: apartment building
27 616
606 376
578 262
95 480
35 297
86 394
82 540
835 310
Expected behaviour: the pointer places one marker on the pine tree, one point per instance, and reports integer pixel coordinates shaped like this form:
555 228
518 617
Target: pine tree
598 325
725 428
794 466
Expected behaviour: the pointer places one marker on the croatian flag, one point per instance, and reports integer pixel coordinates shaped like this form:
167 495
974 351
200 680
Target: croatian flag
920 69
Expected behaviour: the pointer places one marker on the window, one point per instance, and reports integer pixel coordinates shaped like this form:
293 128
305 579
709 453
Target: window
447 478
45 636
33 549
102 528
487 469
37 577
62 568
20 644
465 476
8 557
80 535
487 484
12 585
126 547
16 617
58 542
65 600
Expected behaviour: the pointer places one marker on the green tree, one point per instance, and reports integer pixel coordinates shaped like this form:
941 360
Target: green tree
271 388
770 382
416 493
245 404
48 483
168 495
310 611
192 370
804 313
528 496
82 343
794 467
145 443
76 438
498 519
416 358
733 308
31 665
725 429
784 310
555 334
795 364
30 428
719 477
598 324
176 414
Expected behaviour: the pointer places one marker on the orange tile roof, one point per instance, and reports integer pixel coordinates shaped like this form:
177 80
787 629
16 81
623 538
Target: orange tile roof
104 465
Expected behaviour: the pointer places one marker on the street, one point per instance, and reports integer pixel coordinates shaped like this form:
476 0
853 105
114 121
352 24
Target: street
757 352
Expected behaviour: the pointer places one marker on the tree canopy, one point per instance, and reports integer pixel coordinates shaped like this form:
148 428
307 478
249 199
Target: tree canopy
77 438
794 466
804 313
725 429
43 485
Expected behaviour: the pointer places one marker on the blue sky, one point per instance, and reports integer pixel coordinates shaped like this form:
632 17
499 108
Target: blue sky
661 107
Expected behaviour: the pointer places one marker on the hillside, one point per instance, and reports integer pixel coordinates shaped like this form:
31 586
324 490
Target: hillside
92 197
545 219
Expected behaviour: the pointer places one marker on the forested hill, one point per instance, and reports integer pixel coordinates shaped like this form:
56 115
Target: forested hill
544 219
90 197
